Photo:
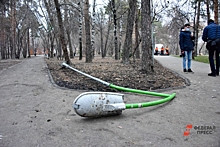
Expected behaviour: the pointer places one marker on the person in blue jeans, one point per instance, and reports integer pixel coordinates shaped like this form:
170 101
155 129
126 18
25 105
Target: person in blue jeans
211 32
187 46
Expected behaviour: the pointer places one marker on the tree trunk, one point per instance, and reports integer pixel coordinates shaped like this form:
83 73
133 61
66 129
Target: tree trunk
80 31
2 34
88 36
19 43
102 46
115 31
33 45
61 32
13 29
147 64
129 31
137 42
70 44
107 35
24 52
93 29
59 50
68 31
120 27
51 44
216 11
28 43
50 26
207 9
196 29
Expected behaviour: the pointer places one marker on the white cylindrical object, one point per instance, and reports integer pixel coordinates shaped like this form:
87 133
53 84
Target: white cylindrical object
96 104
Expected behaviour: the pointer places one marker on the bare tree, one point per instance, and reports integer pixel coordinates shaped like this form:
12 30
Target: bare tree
147 64
51 24
93 28
13 27
100 26
129 31
115 30
107 35
88 36
62 32
136 52
196 29
68 30
3 31
207 9
80 30
216 7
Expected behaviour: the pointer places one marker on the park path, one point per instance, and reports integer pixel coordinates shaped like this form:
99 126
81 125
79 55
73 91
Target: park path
34 112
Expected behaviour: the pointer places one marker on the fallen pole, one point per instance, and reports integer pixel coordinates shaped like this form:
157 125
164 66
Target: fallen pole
117 107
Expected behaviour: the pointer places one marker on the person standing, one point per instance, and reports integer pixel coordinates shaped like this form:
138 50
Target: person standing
186 46
162 51
156 51
167 51
210 33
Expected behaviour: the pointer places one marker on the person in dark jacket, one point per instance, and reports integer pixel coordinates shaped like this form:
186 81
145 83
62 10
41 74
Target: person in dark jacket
211 32
186 46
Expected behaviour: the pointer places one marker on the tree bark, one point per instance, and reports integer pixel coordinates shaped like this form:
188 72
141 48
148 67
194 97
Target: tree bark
107 35
207 9
129 31
2 34
196 28
28 43
147 64
216 11
13 28
80 31
115 31
50 26
70 44
88 36
137 42
61 32
24 52
51 44
102 46
93 29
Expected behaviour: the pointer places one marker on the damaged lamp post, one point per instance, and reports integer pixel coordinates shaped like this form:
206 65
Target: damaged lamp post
96 104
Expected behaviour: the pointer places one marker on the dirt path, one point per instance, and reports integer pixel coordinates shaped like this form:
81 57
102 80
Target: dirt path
34 112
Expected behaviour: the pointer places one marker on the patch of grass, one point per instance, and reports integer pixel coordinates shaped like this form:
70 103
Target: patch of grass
203 59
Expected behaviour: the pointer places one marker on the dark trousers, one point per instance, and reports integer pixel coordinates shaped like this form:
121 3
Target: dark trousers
214 69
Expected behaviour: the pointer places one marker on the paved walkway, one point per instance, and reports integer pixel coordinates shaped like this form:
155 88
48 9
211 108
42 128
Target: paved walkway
34 112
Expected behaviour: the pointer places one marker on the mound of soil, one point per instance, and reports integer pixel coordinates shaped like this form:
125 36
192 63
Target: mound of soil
113 72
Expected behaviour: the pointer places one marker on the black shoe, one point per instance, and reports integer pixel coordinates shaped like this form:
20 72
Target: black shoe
189 70
184 70
212 74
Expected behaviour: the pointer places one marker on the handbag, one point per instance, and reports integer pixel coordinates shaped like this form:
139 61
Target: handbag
209 44
217 42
